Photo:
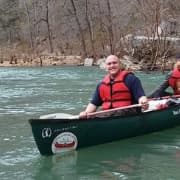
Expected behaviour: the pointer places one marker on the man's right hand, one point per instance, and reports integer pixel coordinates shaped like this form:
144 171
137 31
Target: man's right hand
83 115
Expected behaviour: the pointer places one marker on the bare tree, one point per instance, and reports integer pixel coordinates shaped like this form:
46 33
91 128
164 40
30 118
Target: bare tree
79 27
46 19
101 31
29 25
110 28
9 19
87 15
90 27
151 16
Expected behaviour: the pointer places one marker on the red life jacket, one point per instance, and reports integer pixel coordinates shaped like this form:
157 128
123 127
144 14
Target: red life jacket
115 94
174 81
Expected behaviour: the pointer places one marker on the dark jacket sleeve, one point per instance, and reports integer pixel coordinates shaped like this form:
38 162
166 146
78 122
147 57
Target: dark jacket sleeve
161 90
96 99
134 85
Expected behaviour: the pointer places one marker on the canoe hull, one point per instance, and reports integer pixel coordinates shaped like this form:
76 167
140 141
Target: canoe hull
60 135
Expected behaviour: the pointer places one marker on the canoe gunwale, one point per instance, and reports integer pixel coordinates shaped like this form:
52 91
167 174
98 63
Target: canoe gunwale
64 120
94 131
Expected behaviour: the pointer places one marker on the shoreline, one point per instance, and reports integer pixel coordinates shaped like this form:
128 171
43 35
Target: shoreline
65 61
41 61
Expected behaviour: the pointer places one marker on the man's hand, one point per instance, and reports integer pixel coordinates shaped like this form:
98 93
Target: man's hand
83 115
144 102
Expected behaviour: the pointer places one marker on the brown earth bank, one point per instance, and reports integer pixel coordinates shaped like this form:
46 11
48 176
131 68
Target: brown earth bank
40 60
26 60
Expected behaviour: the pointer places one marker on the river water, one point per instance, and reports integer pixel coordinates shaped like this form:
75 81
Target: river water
30 92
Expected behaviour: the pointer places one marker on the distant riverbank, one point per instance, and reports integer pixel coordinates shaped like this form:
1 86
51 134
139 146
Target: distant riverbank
24 60
41 60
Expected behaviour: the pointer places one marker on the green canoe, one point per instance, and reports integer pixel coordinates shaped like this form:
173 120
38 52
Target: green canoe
57 133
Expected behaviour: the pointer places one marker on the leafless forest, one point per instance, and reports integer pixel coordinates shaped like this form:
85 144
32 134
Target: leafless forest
90 27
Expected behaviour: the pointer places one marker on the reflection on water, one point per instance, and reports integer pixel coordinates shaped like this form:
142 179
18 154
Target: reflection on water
31 92
58 166
145 157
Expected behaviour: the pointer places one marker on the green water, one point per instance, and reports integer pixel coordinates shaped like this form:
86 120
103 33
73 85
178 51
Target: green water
30 92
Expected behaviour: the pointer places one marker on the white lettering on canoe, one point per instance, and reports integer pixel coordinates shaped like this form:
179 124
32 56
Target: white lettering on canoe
46 132
176 112
65 128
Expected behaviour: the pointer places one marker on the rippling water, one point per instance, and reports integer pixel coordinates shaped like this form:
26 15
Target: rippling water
31 92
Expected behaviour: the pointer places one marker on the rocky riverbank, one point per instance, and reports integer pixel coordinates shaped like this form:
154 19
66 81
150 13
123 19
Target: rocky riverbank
24 60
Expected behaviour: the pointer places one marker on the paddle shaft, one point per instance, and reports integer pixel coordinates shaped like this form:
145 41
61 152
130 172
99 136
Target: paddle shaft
94 114
166 97
99 113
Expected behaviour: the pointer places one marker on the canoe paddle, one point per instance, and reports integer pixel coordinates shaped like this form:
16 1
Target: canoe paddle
114 110
89 115
109 112
59 116
166 97
101 113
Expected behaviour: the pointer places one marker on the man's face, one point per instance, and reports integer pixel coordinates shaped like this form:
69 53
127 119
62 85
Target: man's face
113 65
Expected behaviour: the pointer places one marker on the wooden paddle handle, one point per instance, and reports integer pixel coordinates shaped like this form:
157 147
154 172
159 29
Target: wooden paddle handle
165 97
101 113
105 112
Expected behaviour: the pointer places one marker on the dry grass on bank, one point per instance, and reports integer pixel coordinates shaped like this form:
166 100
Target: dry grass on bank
41 60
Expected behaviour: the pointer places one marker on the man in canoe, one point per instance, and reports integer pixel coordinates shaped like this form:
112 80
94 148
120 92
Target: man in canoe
172 80
119 88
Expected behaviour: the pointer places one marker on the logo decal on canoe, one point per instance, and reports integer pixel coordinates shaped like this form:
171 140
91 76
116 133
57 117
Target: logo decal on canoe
46 132
66 141
176 112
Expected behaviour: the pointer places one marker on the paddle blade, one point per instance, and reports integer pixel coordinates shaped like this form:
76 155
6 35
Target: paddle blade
59 116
